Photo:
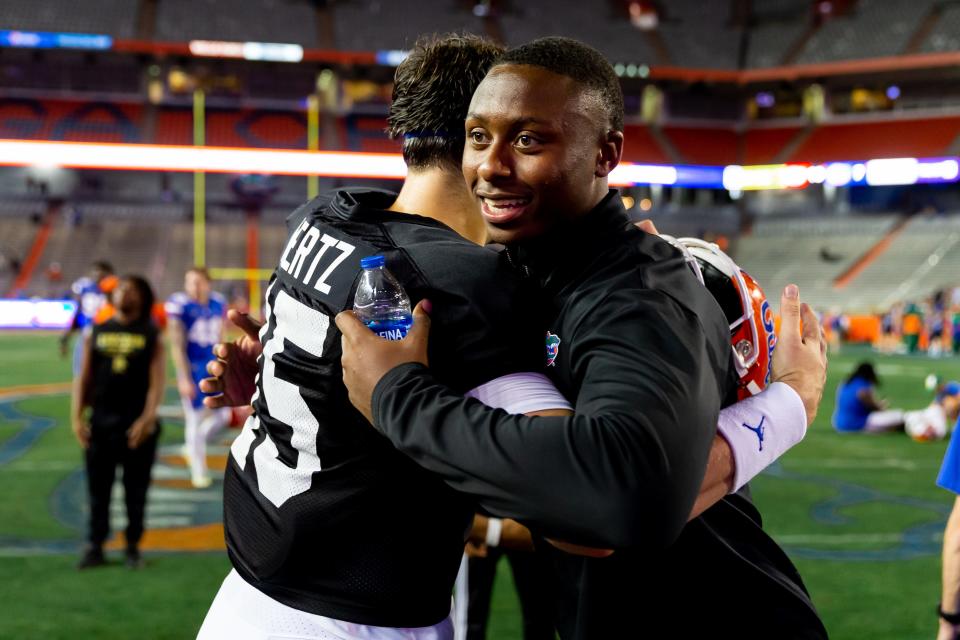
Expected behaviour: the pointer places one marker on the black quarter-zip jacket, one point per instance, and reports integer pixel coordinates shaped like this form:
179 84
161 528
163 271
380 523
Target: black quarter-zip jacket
642 350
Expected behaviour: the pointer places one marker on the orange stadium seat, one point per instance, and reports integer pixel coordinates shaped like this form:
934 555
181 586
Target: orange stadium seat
640 146
761 146
70 120
704 146
891 139
174 126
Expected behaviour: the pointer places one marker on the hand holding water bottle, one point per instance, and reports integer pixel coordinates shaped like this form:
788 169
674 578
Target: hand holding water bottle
379 309
380 301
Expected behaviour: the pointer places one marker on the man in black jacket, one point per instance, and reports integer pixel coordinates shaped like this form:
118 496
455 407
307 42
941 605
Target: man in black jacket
640 346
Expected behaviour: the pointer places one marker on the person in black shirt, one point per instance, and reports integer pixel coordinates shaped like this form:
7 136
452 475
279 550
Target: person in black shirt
329 529
121 382
643 350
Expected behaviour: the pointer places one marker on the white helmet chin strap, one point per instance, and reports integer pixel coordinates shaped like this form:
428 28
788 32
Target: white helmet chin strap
689 257
694 248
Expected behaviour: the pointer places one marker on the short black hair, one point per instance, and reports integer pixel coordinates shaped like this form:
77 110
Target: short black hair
432 89
574 59
102 265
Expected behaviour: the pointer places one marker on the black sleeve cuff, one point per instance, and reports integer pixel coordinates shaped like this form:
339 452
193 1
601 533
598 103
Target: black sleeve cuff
388 382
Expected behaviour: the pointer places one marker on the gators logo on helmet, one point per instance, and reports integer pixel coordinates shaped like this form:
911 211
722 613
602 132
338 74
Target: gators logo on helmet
553 348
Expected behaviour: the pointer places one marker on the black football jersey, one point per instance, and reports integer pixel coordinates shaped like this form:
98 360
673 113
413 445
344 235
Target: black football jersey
120 357
322 513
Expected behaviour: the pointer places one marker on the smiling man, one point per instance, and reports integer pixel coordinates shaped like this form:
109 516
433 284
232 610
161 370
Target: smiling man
639 345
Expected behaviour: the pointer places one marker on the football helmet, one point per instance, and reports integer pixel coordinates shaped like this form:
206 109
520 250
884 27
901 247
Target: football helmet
752 334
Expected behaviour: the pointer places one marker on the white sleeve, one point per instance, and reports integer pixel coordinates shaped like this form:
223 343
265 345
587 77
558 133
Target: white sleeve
762 428
520 393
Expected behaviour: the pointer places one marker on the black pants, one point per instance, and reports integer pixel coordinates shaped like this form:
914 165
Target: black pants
536 596
105 453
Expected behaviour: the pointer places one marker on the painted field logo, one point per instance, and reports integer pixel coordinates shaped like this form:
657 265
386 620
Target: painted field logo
553 348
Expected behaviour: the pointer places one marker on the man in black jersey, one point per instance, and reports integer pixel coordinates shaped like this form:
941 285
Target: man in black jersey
330 530
643 351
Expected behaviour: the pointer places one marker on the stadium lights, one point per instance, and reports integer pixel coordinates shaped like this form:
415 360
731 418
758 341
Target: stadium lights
390 166
146 157
268 51
48 40
36 314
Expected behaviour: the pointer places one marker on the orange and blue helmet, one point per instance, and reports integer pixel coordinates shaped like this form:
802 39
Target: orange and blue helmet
752 334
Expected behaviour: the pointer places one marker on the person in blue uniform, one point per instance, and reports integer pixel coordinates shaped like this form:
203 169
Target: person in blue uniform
195 317
90 293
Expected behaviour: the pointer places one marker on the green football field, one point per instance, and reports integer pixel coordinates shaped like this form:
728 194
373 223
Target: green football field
860 515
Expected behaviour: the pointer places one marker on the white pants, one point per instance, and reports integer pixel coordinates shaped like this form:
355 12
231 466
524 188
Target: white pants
200 426
928 424
241 612
887 420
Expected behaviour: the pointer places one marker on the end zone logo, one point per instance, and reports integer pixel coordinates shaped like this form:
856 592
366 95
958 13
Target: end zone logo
766 314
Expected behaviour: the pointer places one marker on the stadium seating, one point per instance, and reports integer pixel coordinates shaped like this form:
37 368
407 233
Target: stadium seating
90 16
888 139
589 22
250 20
76 121
698 34
763 145
945 35
925 257
704 146
876 28
370 25
639 145
769 42
784 250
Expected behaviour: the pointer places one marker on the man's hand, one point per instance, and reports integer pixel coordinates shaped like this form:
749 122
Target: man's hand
367 357
648 226
235 369
141 429
800 359
81 430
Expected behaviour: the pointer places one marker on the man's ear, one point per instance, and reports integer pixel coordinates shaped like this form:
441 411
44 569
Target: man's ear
609 154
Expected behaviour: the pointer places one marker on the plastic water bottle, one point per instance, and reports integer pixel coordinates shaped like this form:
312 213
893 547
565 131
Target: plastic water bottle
380 302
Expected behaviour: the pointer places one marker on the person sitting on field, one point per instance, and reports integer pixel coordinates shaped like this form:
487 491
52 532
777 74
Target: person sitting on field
859 408
933 423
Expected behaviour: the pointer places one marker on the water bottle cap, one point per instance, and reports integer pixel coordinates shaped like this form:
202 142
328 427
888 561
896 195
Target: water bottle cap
372 262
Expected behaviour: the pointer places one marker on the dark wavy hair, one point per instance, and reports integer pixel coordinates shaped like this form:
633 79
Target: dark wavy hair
574 59
147 298
432 89
865 371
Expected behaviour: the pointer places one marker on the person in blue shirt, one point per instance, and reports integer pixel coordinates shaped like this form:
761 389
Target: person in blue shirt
196 324
949 608
859 408
90 293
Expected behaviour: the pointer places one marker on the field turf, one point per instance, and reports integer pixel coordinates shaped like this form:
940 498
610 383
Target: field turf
860 516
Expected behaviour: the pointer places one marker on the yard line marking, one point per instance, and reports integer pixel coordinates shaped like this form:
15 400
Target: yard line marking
27 390
848 538
853 463
41 466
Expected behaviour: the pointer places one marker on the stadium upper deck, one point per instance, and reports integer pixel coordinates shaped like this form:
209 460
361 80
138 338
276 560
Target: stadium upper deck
687 33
